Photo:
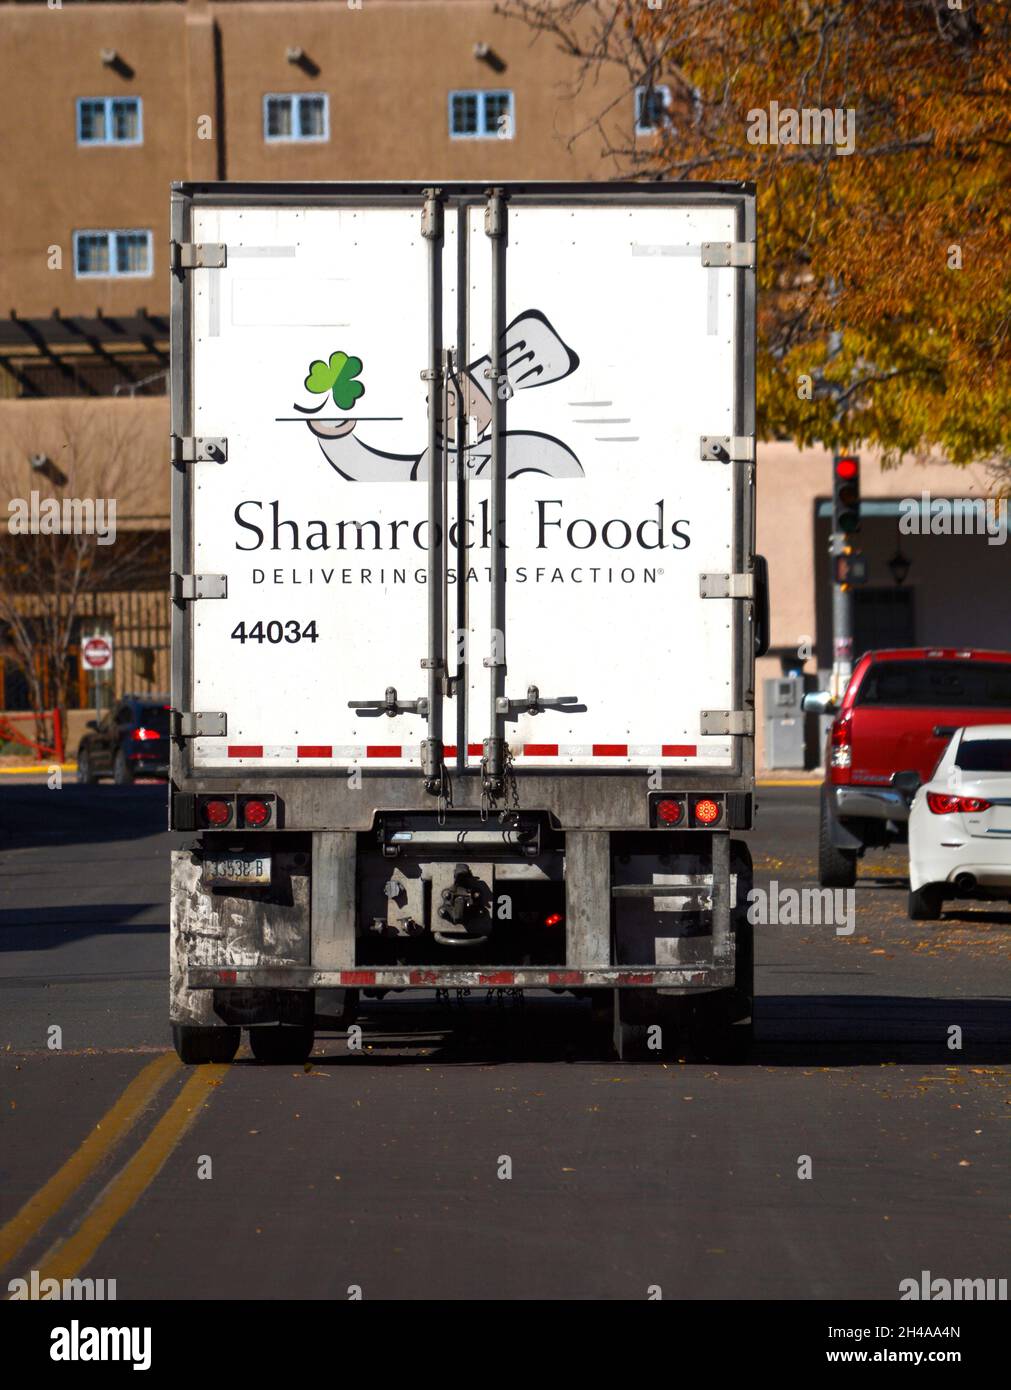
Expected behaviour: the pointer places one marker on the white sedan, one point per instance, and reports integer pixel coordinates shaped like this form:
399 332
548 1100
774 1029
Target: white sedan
960 823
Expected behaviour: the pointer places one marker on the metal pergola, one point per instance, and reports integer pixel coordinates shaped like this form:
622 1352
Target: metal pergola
134 346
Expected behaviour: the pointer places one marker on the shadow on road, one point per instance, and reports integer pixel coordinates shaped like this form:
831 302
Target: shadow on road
790 1031
33 815
46 928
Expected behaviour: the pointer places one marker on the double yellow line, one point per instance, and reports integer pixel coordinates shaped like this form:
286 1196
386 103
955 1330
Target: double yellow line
68 1255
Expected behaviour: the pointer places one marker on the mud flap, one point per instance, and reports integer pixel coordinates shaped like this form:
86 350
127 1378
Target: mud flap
838 835
237 929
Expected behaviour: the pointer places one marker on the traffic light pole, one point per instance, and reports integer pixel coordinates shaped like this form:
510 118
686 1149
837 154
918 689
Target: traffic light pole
842 625
845 523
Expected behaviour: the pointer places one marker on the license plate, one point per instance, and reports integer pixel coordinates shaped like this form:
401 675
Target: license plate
251 869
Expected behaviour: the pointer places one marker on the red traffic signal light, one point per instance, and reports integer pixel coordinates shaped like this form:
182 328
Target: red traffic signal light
846 494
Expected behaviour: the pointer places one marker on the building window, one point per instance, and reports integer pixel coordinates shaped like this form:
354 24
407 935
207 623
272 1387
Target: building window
652 109
112 254
296 117
481 115
110 121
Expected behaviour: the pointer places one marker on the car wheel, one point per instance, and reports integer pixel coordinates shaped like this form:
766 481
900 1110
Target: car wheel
197 1047
925 903
837 868
122 773
84 772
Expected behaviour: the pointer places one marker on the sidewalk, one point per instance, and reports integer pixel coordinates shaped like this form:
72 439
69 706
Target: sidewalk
790 777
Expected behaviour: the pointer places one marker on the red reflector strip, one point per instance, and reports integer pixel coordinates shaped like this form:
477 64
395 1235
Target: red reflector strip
565 977
245 750
610 750
474 750
626 978
227 977
449 750
498 977
383 750
358 977
424 977
678 750
540 750
315 750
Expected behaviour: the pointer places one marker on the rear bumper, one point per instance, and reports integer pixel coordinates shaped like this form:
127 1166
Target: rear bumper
867 803
460 977
989 864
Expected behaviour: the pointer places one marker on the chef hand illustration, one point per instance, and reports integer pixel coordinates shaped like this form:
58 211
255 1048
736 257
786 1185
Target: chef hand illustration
534 355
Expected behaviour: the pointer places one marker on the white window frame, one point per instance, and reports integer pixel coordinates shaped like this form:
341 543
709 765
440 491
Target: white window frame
296 98
482 133
112 273
109 138
661 91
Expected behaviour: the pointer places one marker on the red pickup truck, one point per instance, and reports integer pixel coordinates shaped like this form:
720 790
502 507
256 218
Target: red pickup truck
899 710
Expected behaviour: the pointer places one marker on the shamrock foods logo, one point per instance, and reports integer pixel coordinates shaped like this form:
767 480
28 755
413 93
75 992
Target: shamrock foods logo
534 355
338 377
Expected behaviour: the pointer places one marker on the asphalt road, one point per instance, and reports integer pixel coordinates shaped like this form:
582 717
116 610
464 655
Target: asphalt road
484 1149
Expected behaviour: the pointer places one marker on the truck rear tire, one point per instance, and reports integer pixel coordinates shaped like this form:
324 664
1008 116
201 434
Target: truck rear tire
198 1046
283 1045
837 868
715 1033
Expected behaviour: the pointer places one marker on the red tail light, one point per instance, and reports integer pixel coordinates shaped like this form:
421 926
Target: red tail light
216 812
706 811
943 805
840 749
553 920
142 735
255 813
668 811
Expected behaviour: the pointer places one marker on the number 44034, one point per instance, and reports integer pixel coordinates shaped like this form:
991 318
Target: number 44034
276 632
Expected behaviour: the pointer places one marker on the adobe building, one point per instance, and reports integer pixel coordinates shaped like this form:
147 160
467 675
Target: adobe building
107 104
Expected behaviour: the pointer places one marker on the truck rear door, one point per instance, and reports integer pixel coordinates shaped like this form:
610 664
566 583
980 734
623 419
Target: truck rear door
304 430
619 347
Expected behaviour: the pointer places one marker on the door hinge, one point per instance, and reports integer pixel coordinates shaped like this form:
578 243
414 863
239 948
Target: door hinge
727 721
727 585
740 254
188 448
495 213
431 215
728 448
190 586
198 724
198 255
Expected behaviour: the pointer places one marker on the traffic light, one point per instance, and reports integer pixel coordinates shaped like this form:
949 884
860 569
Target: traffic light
846 494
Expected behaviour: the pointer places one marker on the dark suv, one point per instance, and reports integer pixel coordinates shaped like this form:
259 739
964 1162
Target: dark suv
131 741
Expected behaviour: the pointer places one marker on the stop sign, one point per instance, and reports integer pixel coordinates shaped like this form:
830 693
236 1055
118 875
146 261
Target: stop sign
96 653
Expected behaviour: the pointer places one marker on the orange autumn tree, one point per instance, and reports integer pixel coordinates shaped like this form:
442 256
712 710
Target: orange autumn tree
885 298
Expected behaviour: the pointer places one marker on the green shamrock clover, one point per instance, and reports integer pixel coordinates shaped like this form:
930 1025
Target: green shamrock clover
337 376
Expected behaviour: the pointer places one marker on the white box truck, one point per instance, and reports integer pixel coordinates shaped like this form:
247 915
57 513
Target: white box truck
465 602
